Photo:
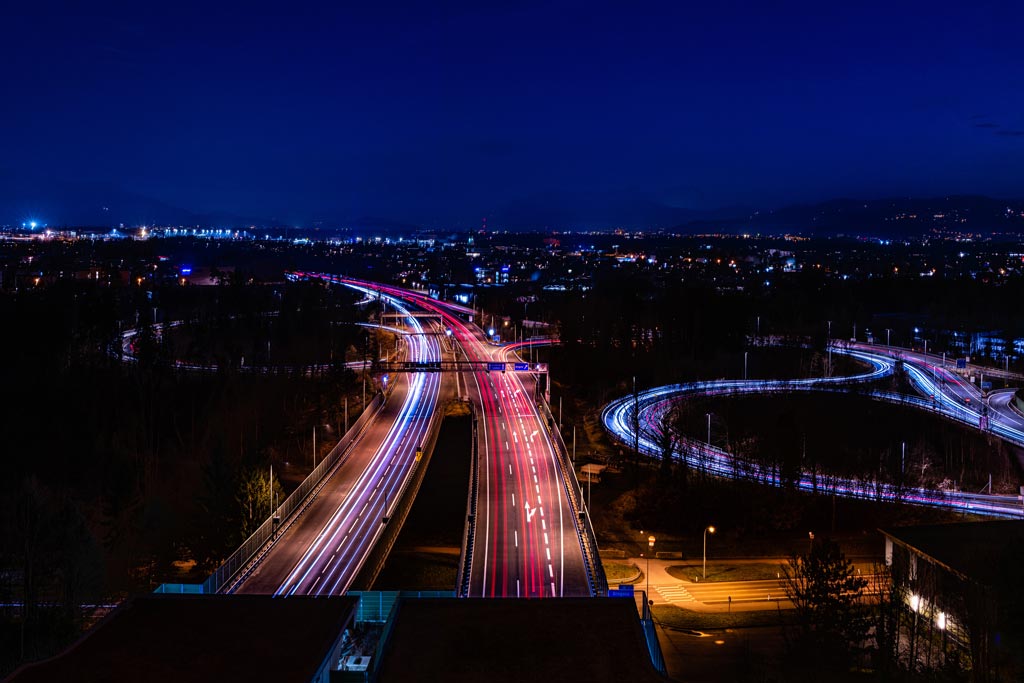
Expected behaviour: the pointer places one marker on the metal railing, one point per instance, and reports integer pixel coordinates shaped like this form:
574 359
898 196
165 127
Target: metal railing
581 515
241 562
651 636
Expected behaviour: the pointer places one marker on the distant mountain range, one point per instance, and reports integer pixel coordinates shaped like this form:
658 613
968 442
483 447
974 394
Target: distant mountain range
878 217
59 202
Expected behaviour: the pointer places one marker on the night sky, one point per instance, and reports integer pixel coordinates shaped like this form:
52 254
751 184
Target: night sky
448 112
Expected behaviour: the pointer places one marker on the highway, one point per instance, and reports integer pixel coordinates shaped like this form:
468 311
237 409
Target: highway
323 551
526 542
528 528
934 377
941 391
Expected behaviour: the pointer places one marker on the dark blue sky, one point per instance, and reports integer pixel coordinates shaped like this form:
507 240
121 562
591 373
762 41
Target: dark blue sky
447 112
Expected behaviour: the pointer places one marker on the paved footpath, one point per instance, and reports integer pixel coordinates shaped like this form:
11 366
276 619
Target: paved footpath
711 596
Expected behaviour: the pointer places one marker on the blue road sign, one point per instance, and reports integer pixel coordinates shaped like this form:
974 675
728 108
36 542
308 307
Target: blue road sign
521 367
496 367
961 363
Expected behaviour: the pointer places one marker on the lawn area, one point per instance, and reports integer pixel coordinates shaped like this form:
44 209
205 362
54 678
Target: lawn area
671 616
726 571
419 570
620 571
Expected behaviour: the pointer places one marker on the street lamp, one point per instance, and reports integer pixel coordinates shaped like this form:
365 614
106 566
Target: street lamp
650 551
706 530
709 429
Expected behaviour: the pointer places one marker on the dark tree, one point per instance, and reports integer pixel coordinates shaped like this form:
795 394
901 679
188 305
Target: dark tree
825 590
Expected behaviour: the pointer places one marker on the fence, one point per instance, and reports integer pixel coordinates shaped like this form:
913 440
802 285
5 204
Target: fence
237 566
581 516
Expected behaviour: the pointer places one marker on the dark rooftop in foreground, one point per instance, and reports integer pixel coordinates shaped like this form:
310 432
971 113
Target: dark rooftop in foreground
564 640
157 638
974 550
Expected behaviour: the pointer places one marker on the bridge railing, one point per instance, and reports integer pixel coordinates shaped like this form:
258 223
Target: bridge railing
237 565
581 516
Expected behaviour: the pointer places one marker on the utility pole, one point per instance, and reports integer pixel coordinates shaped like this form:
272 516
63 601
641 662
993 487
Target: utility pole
346 414
828 344
314 447
745 365
574 444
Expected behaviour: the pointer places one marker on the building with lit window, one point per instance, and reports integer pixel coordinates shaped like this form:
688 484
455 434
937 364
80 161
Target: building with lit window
962 596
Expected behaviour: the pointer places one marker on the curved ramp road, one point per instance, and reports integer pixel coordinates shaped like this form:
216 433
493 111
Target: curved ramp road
943 392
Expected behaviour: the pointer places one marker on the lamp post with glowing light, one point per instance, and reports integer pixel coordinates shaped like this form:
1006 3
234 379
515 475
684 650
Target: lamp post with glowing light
706 530
650 551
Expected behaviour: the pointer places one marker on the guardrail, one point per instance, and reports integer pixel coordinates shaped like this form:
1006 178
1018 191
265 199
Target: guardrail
581 516
469 533
241 562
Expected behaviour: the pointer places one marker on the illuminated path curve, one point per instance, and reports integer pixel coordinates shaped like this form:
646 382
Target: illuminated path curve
942 392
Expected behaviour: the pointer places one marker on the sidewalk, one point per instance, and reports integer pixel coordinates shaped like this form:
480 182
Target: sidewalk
713 596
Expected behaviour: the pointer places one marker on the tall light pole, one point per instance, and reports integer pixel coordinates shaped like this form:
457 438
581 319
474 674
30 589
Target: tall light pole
650 551
887 331
745 365
828 345
706 530
709 429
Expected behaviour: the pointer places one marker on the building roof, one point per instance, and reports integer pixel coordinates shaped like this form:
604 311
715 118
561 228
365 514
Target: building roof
977 551
157 638
564 640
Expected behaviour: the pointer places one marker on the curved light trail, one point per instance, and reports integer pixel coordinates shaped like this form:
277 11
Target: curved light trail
946 394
